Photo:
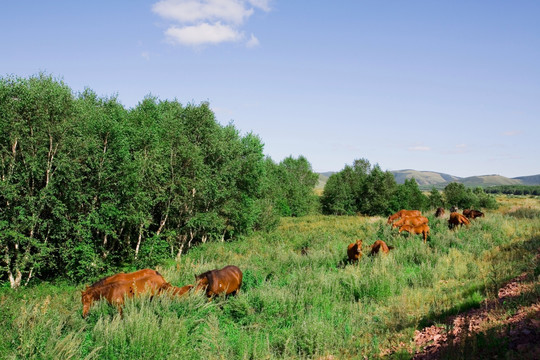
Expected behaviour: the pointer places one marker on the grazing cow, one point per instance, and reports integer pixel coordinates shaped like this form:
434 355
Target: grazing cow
454 209
420 229
410 220
380 245
179 291
354 251
224 281
125 277
116 291
403 213
439 212
472 214
457 219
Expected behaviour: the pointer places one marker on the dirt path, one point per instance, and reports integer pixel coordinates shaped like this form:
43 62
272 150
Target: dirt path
508 325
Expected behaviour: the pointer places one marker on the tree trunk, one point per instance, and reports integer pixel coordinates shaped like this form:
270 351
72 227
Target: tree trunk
29 276
15 281
162 223
182 239
139 241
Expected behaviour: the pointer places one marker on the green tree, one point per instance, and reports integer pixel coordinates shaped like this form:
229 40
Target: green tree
359 188
98 194
297 183
36 118
435 198
378 190
339 197
456 194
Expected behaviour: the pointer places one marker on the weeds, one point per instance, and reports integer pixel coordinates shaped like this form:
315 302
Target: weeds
291 305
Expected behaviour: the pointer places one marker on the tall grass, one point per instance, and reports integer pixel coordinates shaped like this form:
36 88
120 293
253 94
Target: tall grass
293 303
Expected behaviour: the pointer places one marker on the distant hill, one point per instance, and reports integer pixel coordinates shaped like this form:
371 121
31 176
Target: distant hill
323 178
424 178
429 179
529 180
489 180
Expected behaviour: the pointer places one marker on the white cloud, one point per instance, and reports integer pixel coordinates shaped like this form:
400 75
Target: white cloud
202 34
459 149
192 11
252 42
145 55
261 4
512 133
198 22
419 148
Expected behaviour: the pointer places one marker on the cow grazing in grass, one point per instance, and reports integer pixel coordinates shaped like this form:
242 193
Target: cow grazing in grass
354 251
420 229
457 219
116 288
410 220
124 286
379 245
179 291
472 214
439 212
403 213
225 281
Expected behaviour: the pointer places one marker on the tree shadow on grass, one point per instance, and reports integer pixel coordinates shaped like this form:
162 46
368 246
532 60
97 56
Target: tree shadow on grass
507 326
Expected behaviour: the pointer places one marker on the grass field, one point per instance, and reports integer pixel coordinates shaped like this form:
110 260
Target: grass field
291 306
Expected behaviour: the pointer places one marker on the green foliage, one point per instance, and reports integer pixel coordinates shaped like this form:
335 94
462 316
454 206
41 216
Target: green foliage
435 199
358 189
456 194
409 196
290 184
87 185
368 190
514 190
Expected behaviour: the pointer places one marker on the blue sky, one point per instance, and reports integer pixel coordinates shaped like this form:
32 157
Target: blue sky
446 86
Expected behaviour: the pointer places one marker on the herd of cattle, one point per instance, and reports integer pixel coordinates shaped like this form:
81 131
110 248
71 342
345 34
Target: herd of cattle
412 222
227 281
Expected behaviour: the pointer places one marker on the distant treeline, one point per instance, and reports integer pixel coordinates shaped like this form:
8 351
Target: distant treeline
87 185
514 189
366 189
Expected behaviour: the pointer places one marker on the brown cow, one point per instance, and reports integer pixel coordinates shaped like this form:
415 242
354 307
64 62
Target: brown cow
472 214
403 213
224 281
457 219
380 245
354 251
420 229
179 291
410 220
125 277
116 291
439 212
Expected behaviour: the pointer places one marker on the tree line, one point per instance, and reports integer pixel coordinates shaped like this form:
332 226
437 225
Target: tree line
366 189
514 190
87 185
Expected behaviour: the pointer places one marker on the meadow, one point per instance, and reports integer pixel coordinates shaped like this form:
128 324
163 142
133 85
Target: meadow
293 304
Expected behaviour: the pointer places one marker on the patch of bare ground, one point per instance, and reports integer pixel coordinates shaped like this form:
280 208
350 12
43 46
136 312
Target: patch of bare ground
507 327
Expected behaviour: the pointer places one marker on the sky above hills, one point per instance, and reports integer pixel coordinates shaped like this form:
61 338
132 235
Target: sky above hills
445 86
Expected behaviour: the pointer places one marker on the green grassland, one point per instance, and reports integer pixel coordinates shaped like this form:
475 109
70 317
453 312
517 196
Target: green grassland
291 305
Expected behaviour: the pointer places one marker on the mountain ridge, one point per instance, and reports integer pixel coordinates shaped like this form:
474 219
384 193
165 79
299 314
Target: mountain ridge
429 179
